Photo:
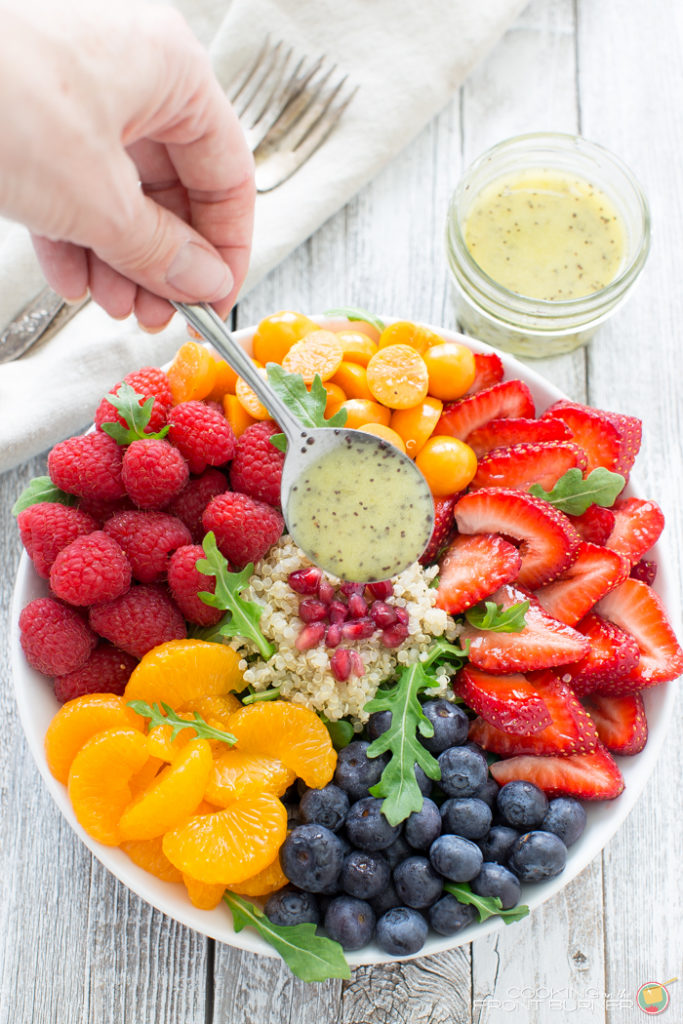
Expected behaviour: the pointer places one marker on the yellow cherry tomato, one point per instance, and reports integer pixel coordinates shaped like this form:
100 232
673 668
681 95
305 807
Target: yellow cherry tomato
447 464
386 433
416 424
236 415
360 411
352 378
358 348
248 398
451 370
397 376
335 397
403 332
276 334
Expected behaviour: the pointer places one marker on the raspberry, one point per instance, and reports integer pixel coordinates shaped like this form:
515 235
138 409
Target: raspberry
193 499
89 466
140 620
201 434
149 382
147 538
256 469
245 528
154 472
107 670
47 527
185 581
54 637
90 569
103 510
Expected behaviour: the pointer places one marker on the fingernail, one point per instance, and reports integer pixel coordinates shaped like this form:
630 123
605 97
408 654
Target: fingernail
199 274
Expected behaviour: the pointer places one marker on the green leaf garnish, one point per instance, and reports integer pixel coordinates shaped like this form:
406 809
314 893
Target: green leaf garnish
309 956
573 495
307 406
496 619
40 489
398 784
357 314
242 619
126 401
443 651
341 732
486 906
165 715
271 694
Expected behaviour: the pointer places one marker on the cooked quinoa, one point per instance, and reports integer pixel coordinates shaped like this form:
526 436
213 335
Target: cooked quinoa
304 677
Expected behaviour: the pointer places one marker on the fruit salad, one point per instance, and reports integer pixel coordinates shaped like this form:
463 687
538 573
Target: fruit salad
335 762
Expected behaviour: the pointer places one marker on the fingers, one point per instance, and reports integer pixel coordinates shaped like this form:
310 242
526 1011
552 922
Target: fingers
65 267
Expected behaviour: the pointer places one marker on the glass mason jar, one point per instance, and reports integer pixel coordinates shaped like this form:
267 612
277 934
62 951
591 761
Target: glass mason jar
535 327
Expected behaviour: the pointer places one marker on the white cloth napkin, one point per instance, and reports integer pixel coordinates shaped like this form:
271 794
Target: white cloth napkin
407 58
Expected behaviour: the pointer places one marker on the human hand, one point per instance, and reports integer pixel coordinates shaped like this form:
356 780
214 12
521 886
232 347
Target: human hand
122 156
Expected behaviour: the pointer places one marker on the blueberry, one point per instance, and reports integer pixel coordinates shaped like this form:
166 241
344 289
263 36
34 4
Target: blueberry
450 725
521 805
293 815
456 858
565 817
387 900
366 826
378 723
448 915
496 880
364 875
398 851
423 781
489 792
463 771
423 826
328 806
355 771
350 922
537 855
496 845
401 931
417 883
311 857
290 906
468 817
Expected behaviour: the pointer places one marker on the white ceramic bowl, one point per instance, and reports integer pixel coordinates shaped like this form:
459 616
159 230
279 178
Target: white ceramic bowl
37 705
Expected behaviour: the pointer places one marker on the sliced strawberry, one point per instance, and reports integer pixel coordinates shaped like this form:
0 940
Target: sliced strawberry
595 524
489 370
593 573
509 398
608 438
572 731
516 430
645 571
636 608
444 529
543 643
522 465
511 703
613 654
548 541
620 721
472 568
591 776
637 526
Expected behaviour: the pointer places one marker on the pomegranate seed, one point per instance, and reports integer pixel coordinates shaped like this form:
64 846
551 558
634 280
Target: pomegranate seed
357 629
305 581
383 614
393 636
339 612
382 589
357 606
352 588
402 615
644 571
333 635
311 610
326 591
310 636
357 664
340 663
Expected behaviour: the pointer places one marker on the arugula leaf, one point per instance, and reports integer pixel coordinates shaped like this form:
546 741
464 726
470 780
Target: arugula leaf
40 489
486 906
243 616
444 652
341 732
167 716
257 695
357 314
126 400
398 784
573 495
307 406
309 956
496 619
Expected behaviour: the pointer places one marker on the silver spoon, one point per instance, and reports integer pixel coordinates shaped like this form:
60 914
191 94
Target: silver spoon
357 506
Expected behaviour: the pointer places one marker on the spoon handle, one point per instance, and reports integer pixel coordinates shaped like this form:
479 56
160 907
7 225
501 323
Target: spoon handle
206 321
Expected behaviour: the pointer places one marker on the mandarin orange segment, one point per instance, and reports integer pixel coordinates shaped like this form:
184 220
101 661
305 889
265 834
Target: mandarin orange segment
149 855
360 411
236 774
352 378
236 415
173 795
192 374
225 381
386 433
78 720
228 846
397 377
180 670
147 774
269 880
218 706
358 348
249 400
276 334
161 745
290 732
99 781
202 894
417 424
403 332
319 352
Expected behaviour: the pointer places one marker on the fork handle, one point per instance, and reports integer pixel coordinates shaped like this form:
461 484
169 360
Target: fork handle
46 314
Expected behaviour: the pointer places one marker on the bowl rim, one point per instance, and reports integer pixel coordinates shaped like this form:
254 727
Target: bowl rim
604 818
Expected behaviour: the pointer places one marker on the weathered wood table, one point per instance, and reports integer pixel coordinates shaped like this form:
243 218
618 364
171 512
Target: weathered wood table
75 945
